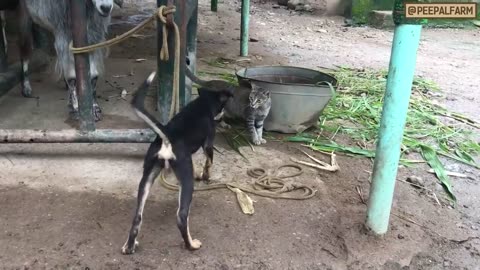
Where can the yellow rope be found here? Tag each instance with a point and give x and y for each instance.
(165, 57)
(265, 185)
(161, 13)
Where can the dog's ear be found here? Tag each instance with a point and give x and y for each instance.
(226, 94)
(224, 97)
(202, 91)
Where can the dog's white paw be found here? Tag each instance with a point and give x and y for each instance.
(129, 250)
(198, 175)
(196, 244)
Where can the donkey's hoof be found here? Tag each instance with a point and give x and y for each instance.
(74, 115)
(26, 90)
(97, 112)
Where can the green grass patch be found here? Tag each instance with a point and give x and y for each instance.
(355, 111)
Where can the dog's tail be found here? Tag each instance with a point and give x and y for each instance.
(137, 102)
(194, 78)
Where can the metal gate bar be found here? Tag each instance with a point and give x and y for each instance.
(77, 136)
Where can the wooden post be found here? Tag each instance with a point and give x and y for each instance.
(82, 65)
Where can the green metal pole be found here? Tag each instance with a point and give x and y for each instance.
(213, 5)
(397, 95)
(165, 72)
(244, 27)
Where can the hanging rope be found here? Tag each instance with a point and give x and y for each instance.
(161, 14)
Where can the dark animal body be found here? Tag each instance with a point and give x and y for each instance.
(250, 105)
(193, 127)
(8, 4)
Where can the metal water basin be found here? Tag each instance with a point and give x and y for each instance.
(299, 95)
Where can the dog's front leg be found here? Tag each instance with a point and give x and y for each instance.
(151, 170)
(183, 169)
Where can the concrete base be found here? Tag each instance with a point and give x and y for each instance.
(381, 19)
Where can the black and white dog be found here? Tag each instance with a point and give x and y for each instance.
(193, 127)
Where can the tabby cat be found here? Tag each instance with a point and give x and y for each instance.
(253, 106)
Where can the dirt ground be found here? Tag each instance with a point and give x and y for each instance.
(69, 206)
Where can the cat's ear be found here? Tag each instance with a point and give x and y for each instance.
(255, 87)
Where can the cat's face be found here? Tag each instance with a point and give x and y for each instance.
(258, 96)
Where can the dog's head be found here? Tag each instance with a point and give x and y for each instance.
(219, 97)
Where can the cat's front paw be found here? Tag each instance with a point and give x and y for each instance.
(257, 141)
(225, 125)
(263, 141)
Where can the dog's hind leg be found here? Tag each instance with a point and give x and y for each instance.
(151, 170)
(183, 169)
(208, 152)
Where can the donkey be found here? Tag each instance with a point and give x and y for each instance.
(54, 16)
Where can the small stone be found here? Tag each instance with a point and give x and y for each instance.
(299, 8)
(276, 6)
(446, 263)
(292, 4)
(322, 30)
(400, 236)
(307, 8)
(415, 180)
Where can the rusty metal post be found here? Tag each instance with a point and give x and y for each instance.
(82, 65)
(191, 45)
(3, 44)
(182, 21)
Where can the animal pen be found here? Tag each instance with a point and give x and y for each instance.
(171, 75)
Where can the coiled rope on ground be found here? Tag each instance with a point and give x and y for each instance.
(271, 185)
